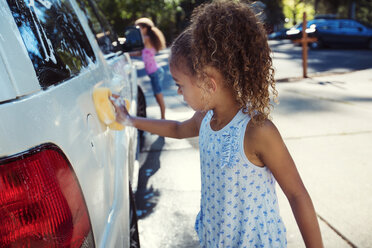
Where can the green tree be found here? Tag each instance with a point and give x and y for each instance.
(274, 14)
(123, 13)
(363, 11)
(293, 11)
(172, 16)
(358, 9)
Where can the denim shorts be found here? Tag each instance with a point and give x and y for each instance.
(157, 80)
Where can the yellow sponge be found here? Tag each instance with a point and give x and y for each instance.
(105, 109)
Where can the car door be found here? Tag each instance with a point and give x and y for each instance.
(362, 34)
(351, 33)
(327, 32)
(121, 79)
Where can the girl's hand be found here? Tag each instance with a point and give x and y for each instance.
(122, 115)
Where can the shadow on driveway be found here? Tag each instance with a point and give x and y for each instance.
(147, 198)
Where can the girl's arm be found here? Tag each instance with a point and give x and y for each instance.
(272, 152)
(166, 128)
(169, 128)
(135, 54)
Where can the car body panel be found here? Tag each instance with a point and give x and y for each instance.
(64, 115)
(278, 35)
(7, 90)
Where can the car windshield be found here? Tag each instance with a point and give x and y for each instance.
(299, 25)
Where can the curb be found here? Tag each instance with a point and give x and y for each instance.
(317, 74)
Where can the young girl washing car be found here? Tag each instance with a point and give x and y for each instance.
(223, 69)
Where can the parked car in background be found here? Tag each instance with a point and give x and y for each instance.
(64, 176)
(335, 33)
(295, 32)
(278, 35)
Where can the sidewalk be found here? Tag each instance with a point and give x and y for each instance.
(326, 122)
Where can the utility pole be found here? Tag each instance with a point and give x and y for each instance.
(304, 41)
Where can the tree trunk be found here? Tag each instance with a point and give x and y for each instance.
(316, 2)
(352, 6)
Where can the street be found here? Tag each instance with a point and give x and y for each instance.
(326, 123)
(288, 60)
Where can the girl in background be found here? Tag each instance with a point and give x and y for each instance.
(154, 41)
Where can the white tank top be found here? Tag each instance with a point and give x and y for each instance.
(238, 206)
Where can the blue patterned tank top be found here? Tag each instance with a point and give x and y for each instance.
(238, 206)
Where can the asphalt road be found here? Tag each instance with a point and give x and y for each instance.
(287, 60)
(326, 123)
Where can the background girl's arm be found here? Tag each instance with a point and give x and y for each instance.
(271, 150)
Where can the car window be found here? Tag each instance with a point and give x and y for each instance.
(348, 26)
(105, 36)
(311, 22)
(327, 25)
(345, 24)
(54, 39)
(308, 24)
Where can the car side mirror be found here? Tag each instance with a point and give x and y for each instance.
(360, 29)
(133, 40)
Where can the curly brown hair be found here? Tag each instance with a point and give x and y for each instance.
(180, 53)
(228, 36)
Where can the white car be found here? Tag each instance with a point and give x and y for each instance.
(64, 176)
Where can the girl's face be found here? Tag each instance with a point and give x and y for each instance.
(187, 85)
(143, 29)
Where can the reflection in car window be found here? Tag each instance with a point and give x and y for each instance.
(54, 38)
(99, 26)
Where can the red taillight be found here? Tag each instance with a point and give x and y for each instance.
(41, 203)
